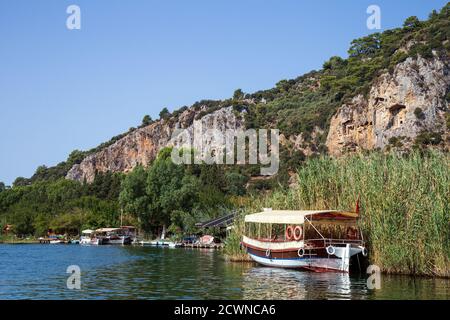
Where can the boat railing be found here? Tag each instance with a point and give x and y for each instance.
(329, 241)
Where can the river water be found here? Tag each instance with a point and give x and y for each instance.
(132, 272)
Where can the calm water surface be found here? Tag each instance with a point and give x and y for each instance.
(116, 272)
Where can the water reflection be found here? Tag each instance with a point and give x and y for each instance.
(274, 283)
(416, 288)
(115, 272)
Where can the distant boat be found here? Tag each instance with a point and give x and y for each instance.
(174, 245)
(118, 239)
(90, 237)
(86, 236)
(56, 239)
(114, 236)
(317, 240)
(206, 240)
(160, 243)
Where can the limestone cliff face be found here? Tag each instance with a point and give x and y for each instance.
(142, 145)
(389, 110)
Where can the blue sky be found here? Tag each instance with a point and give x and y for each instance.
(63, 89)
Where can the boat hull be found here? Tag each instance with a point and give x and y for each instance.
(56, 242)
(119, 240)
(96, 241)
(314, 264)
(314, 259)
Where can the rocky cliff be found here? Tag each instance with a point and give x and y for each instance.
(400, 105)
(141, 146)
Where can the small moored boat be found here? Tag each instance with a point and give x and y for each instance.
(56, 239)
(86, 236)
(114, 236)
(318, 240)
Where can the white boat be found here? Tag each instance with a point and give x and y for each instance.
(174, 245)
(309, 240)
(90, 237)
(56, 241)
(160, 243)
(85, 238)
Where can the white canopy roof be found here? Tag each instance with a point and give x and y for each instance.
(87, 231)
(107, 229)
(283, 216)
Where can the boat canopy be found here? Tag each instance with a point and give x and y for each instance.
(107, 229)
(87, 231)
(298, 216)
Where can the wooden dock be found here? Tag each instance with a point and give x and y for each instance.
(216, 246)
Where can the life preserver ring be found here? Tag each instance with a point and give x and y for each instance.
(301, 252)
(298, 232)
(289, 233)
(268, 253)
(331, 250)
(364, 251)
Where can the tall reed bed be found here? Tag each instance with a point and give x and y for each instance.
(404, 205)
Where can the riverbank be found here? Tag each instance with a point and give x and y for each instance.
(404, 206)
(13, 240)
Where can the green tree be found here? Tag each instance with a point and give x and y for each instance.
(133, 196)
(238, 94)
(21, 182)
(146, 120)
(366, 46)
(2, 186)
(170, 189)
(411, 22)
(22, 220)
(236, 183)
(75, 157)
(106, 185)
(41, 224)
(334, 63)
(164, 113)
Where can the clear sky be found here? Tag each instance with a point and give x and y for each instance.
(63, 89)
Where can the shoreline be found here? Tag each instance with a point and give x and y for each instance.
(245, 260)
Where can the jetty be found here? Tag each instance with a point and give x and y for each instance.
(217, 246)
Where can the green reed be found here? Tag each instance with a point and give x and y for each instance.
(404, 205)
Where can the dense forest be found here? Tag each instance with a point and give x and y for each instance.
(179, 196)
